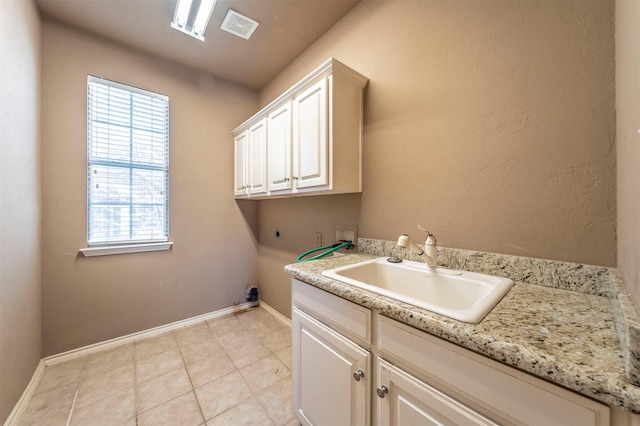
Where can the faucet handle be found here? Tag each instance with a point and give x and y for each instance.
(422, 228)
(429, 235)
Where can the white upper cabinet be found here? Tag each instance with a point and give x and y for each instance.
(257, 158)
(310, 147)
(250, 173)
(313, 137)
(240, 174)
(279, 148)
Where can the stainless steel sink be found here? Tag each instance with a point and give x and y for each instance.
(461, 295)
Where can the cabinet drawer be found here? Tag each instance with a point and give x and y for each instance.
(350, 319)
(510, 393)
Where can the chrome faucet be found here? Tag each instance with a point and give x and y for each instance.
(430, 252)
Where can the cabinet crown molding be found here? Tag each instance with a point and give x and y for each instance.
(330, 66)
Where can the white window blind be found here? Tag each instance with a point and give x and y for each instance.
(128, 164)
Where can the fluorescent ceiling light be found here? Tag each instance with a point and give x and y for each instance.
(182, 13)
(202, 18)
(187, 20)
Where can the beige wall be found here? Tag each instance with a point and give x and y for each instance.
(491, 123)
(19, 199)
(87, 300)
(627, 143)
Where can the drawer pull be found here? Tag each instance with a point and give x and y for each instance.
(358, 375)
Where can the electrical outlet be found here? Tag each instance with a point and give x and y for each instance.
(318, 239)
(346, 233)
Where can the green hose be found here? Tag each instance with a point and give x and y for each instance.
(331, 249)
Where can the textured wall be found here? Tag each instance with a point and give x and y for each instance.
(628, 143)
(491, 123)
(87, 300)
(19, 199)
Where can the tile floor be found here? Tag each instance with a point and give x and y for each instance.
(227, 371)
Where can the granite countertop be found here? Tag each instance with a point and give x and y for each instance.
(563, 336)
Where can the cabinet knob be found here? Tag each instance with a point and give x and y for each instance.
(295, 178)
(286, 179)
(358, 375)
(382, 391)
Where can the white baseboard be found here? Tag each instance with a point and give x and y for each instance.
(123, 340)
(21, 405)
(275, 313)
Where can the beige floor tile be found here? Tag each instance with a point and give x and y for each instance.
(52, 403)
(160, 389)
(181, 411)
(285, 355)
(277, 401)
(236, 337)
(113, 410)
(55, 420)
(149, 378)
(96, 387)
(293, 422)
(248, 413)
(193, 334)
(220, 395)
(254, 315)
(158, 364)
(61, 374)
(209, 369)
(278, 339)
(196, 351)
(101, 362)
(247, 352)
(265, 373)
(155, 345)
(225, 325)
(265, 326)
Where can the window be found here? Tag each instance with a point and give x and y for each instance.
(128, 164)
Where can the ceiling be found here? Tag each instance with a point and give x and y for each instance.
(287, 28)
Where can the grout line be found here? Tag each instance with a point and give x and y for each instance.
(135, 380)
(276, 315)
(184, 364)
(73, 405)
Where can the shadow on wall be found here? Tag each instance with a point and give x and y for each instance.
(249, 210)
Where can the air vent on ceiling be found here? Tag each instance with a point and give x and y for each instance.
(238, 24)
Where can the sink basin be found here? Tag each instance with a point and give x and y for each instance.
(461, 295)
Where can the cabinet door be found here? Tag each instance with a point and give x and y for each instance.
(310, 143)
(258, 158)
(240, 164)
(331, 375)
(405, 400)
(279, 149)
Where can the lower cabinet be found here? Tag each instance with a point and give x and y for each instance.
(332, 375)
(352, 366)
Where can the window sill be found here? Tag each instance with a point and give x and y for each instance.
(131, 248)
